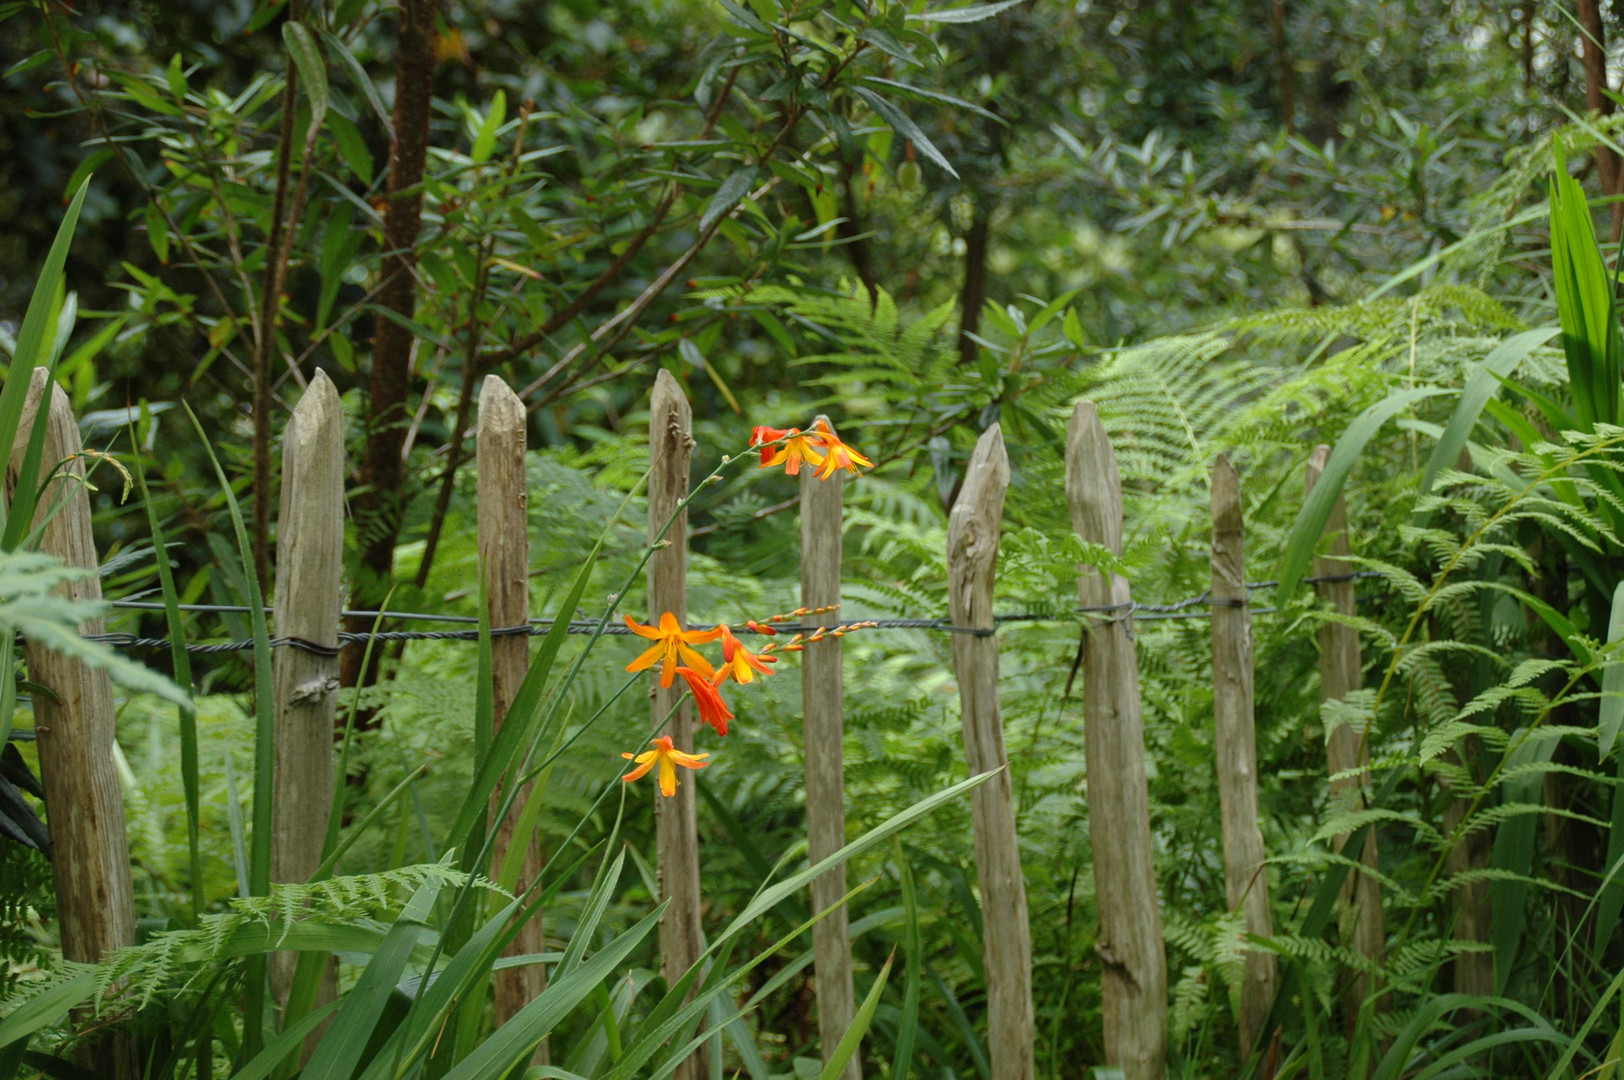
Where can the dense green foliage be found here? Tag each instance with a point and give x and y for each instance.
(1243, 228)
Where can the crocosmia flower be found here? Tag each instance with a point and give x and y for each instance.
(838, 455)
(667, 757)
(671, 643)
(738, 662)
(712, 709)
(795, 449)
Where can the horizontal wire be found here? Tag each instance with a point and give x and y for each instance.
(1183, 609)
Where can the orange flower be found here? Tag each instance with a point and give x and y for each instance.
(712, 709)
(671, 641)
(839, 456)
(740, 663)
(667, 757)
(795, 449)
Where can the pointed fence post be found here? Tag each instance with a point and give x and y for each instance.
(309, 572)
(1132, 953)
(1246, 879)
(74, 725)
(671, 444)
(307, 600)
(822, 705)
(973, 531)
(1341, 673)
(504, 562)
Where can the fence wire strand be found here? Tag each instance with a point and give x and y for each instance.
(1195, 607)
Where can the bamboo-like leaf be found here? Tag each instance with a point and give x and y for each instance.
(1610, 898)
(182, 661)
(727, 196)
(972, 13)
(361, 80)
(46, 1008)
(16, 512)
(1310, 524)
(340, 1049)
(1480, 386)
(1585, 304)
(259, 853)
(513, 1041)
(485, 140)
(312, 68)
(1612, 681)
(859, 1025)
(1514, 844)
(899, 122)
(913, 945)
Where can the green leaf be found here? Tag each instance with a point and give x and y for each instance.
(1612, 681)
(898, 121)
(1311, 519)
(859, 1025)
(1585, 305)
(46, 1007)
(176, 75)
(513, 1041)
(973, 13)
(266, 1061)
(312, 67)
(360, 80)
(16, 513)
(340, 1049)
(485, 141)
(727, 196)
(353, 148)
(1514, 845)
(1610, 900)
(1480, 386)
(913, 946)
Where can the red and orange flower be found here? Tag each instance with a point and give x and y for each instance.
(712, 709)
(837, 454)
(790, 453)
(738, 662)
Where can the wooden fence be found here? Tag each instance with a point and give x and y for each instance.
(75, 723)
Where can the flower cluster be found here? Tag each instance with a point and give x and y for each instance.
(673, 650)
(673, 645)
(820, 447)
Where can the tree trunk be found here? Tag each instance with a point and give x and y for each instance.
(382, 499)
(1593, 40)
(974, 293)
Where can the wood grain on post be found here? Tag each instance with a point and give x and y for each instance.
(822, 698)
(1341, 673)
(504, 561)
(1131, 950)
(973, 531)
(1246, 879)
(309, 576)
(74, 725)
(671, 444)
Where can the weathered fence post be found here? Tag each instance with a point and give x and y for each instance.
(504, 561)
(671, 443)
(973, 531)
(1341, 673)
(1246, 879)
(309, 573)
(1132, 953)
(74, 726)
(822, 697)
